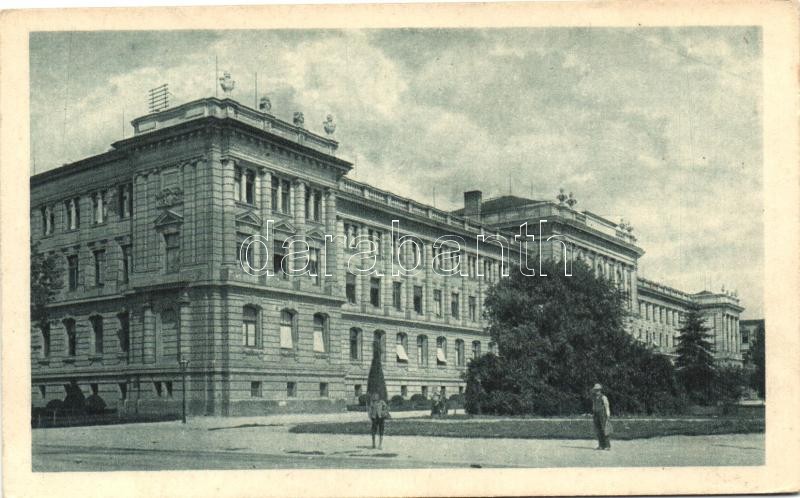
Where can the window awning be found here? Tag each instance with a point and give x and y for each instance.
(401, 353)
(440, 356)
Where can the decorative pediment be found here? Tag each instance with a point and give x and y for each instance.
(285, 226)
(168, 217)
(249, 218)
(316, 234)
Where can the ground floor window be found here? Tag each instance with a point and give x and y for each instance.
(323, 389)
(255, 389)
(291, 389)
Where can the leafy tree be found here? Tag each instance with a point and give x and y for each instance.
(375, 380)
(755, 358)
(558, 335)
(695, 362)
(46, 281)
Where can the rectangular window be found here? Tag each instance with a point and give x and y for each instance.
(460, 358)
(286, 188)
(255, 389)
(313, 265)
(157, 387)
(99, 267)
(125, 201)
(404, 391)
(397, 293)
(237, 184)
(72, 337)
(97, 330)
(275, 192)
(123, 391)
(291, 389)
(72, 265)
(441, 351)
(357, 390)
(424, 391)
(172, 252)
(249, 326)
(126, 263)
(99, 208)
(287, 330)
(375, 291)
(355, 344)
(320, 335)
(418, 299)
(476, 349)
(422, 350)
(323, 389)
(278, 253)
(168, 385)
(437, 302)
(455, 310)
(250, 188)
(401, 348)
(350, 288)
(46, 341)
(123, 334)
(473, 308)
(95, 388)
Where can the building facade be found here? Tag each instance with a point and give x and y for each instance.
(150, 235)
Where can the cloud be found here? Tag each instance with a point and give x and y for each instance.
(660, 126)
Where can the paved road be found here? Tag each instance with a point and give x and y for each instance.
(265, 443)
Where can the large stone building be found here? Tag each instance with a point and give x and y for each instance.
(150, 236)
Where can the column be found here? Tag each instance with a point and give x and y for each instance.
(184, 326)
(427, 290)
(228, 235)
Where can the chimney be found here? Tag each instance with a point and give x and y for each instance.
(472, 204)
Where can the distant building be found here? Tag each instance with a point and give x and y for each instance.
(749, 332)
(150, 236)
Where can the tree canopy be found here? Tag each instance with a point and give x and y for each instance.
(45, 283)
(557, 336)
(695, 361)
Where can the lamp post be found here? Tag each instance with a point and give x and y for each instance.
(184, 364)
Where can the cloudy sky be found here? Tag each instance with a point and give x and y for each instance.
(659, 126)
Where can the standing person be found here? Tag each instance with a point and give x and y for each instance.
(601, 414)
(378, 413)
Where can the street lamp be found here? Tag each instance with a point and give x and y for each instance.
(184, 364)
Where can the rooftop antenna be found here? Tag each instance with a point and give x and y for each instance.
(158, 98)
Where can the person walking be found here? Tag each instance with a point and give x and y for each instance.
(378, 413)
(601, 414)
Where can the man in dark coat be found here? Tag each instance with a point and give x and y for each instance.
(601, 414)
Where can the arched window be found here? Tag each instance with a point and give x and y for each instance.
(402, 348)
(379, 342)
(250, 329)
(422, 350)
(72, 337)
(492, 347)
(97, 332)
(45, 331)
(321, 340)
(460, 357)
(355, 344)
(441, 351)
(288, 330)
(476, 349)
(123, 334)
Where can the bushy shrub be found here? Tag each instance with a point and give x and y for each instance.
(456, 401)
(397, 401)
(54, 405)
(95, 404)
(362, 399)
(75, 400)
(419, 402)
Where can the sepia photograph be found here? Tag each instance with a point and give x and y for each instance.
(398, 247)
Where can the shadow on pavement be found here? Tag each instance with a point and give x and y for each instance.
(245, 426)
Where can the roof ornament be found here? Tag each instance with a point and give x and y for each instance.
(561, 196)
(329, 125)
(298, 119)
(264, 104)
(226, 83)
(571, 201)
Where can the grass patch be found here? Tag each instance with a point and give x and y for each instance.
(540, 428)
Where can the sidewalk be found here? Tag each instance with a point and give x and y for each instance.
(269, 436)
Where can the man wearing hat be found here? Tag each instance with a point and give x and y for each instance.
(601, 413)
